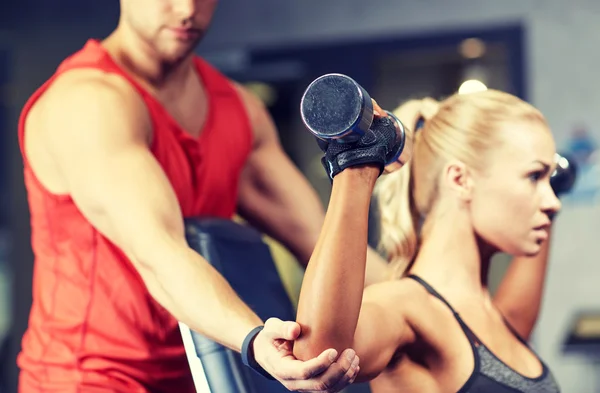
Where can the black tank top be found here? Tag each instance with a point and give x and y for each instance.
(490, 374)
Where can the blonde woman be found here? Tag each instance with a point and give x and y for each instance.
(478, 183)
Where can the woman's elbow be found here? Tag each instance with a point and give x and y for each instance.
(305, 350)
(311, 345)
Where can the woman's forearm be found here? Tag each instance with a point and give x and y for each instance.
(332, 288)
(519, 296)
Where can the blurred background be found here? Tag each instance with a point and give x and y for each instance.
(544, 51)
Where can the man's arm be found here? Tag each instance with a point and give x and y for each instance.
(277, 198)
(99, 137)
(274, 195)
(96, 129)
(519, 296)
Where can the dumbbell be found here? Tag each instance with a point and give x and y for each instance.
(335, 107)
(563, 178)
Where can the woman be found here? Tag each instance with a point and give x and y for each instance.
(478, 184)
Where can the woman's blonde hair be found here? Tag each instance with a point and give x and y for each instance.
(464, 128)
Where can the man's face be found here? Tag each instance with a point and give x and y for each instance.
(172, 28)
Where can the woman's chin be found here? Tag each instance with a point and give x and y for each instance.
(532, 249)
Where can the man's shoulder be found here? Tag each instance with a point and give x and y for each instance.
(92, 81)
(89, 101)
(87, 87)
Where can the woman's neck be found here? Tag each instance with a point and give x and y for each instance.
(451, 256)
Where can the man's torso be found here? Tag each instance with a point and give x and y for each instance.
(92, 321)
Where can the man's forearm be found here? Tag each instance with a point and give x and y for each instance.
(197, 295)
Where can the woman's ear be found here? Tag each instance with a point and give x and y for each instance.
(459, 180)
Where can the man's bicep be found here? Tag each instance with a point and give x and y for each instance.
(128, 199)
(103, 156)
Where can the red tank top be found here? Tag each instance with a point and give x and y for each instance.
(93, 324)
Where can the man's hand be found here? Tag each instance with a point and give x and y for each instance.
(326, 373)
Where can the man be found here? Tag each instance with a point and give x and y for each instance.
(128, 136)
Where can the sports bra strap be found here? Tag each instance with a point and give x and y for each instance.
(432, 291)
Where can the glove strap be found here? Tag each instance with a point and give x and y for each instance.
(349, 159)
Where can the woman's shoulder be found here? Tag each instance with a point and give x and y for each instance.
(404, 294)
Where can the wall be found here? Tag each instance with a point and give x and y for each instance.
(558, 36)
(562, 82)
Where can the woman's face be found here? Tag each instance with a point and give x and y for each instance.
(512, 199)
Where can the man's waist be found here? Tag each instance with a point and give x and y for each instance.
(87, 365)
(113, 376)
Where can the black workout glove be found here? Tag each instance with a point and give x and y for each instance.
(378, 146)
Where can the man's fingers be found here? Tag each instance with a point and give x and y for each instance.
(325, 361)
(340, 383)
(318, 365)
(283, 345)
(291, 369)
(355, 375)
(276, 329)
(325, 378)
(290, 331)
(326, 373)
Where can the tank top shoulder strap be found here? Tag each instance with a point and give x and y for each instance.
(469, 333)
(514, 331)
(215, 82)
(433, 292)
(94, 55)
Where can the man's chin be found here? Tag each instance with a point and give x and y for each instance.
(178, 52)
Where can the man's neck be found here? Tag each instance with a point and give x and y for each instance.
(142, 62)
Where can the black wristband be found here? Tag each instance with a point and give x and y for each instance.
(248, 353)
